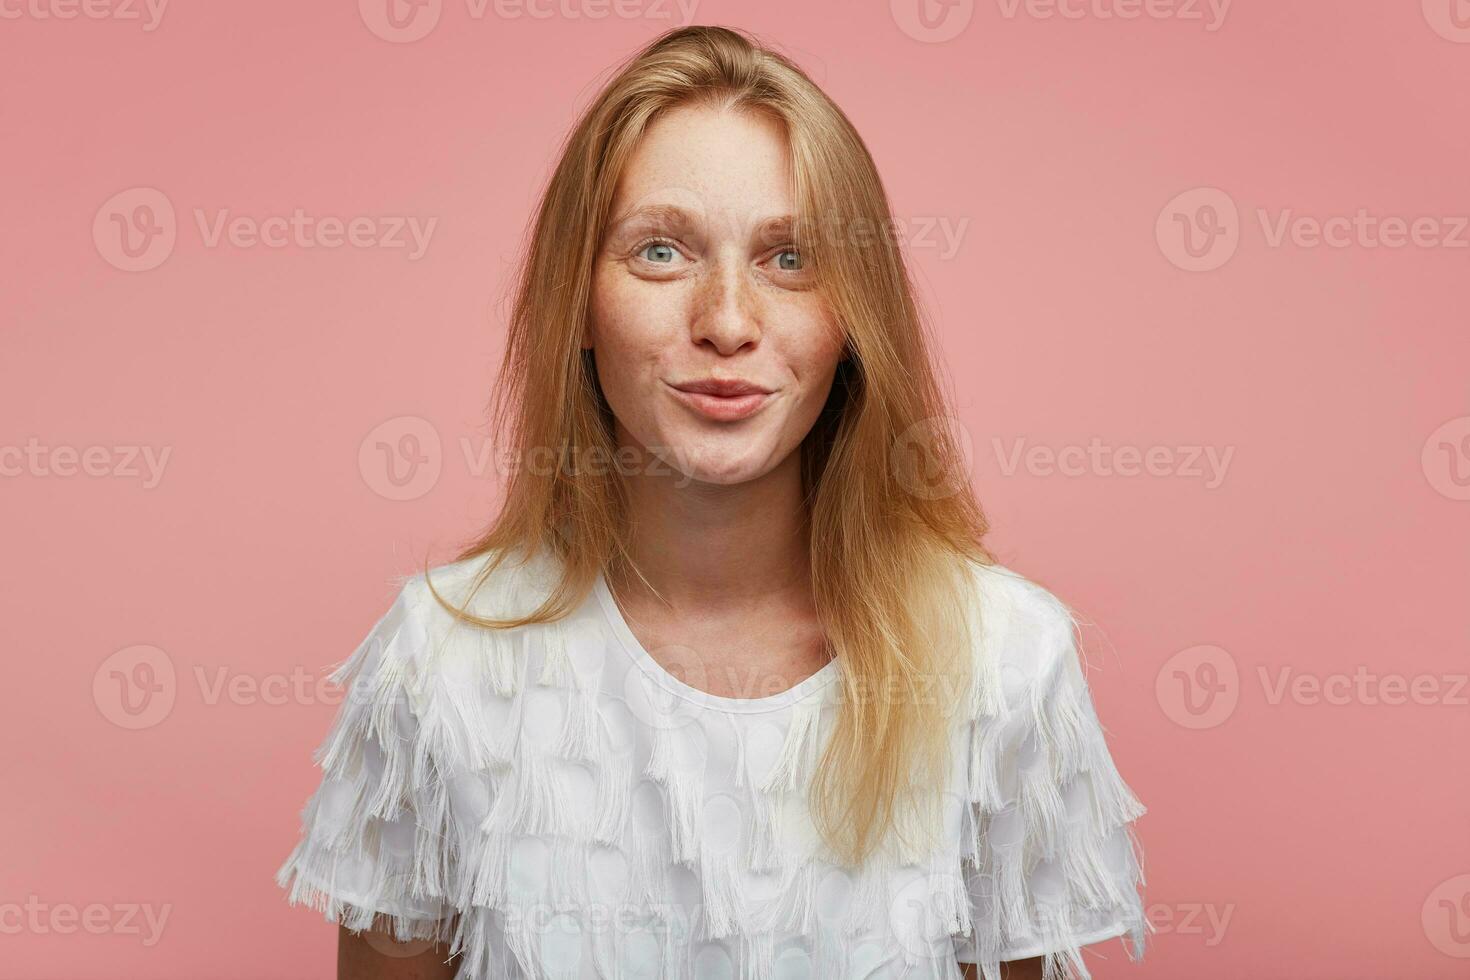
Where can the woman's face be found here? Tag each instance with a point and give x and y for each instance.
(712, 348)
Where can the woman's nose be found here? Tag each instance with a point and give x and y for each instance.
(725, 313)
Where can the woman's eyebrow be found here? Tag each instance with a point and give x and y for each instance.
(656, 214)
(775, 230)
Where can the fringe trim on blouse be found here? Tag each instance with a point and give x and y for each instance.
(1047, 859)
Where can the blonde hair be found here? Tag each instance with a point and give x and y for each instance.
(888, 550)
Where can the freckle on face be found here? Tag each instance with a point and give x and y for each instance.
(713, 299)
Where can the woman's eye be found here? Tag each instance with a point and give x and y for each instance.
(660, 253)
(789, 260)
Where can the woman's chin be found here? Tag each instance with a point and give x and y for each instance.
(723, 477)
(718, 466)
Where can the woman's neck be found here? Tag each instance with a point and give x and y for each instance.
(703, 544)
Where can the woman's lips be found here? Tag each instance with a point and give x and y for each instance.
(722, 401)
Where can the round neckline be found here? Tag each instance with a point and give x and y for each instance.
(630, 645)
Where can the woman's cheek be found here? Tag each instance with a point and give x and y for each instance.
(815, 357)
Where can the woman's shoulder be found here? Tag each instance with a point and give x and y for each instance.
(427, 639)
(423, 627)
(489, 585)
(1021, 629)
(1013, 605)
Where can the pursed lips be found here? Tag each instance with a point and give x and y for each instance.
(722, 399)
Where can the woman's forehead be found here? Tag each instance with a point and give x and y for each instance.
(699, 162)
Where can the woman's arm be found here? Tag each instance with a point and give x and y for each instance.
(381, 957)
(1014, 970)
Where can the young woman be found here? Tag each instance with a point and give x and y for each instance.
(730, 686)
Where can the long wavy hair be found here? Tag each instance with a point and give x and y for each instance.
(892, 522)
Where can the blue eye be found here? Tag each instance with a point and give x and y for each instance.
(789, 260)
(662, 253)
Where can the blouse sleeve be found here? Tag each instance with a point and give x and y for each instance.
(367, 855)
(1053, 863)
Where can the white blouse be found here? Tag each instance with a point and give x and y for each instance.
(555, 804)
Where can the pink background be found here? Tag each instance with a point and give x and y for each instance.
(1330, 839)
